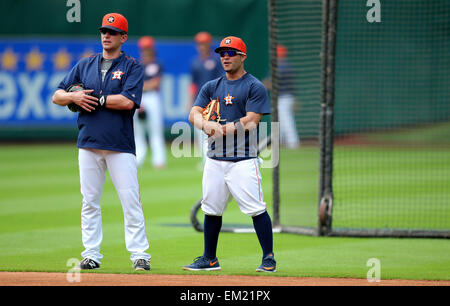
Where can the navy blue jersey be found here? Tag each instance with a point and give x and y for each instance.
(105, 128)
(204, 70)
(286, 78)
(236, 98)
(152, 70)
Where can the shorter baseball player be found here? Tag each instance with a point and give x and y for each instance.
(228, 109)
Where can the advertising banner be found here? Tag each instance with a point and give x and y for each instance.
(31, 70)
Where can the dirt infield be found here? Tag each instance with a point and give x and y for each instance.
(96, 279)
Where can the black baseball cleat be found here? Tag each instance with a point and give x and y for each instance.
(141, 265)
(89, 264)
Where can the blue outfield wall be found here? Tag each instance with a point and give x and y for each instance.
(31, 70)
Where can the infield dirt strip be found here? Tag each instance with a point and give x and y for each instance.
(96, 279)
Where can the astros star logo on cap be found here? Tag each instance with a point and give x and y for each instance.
(232, 42)
(116, 22)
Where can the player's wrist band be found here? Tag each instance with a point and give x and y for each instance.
(102, 100)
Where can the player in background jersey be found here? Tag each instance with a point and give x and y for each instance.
(149, 119)
(286, 99)
(231, 168)
(205, 67)
(106, 140)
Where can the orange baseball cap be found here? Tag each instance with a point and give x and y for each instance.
(146, 42)
(232, 42)
(116, 22)
(203, 38)
(281, 51)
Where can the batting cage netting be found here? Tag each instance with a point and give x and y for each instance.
(361, 92)
(366, 151)
(296, 42)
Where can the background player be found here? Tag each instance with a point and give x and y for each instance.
(231, 169)
(205, 67)
(286, 99)
(149, 119)
(106, 140)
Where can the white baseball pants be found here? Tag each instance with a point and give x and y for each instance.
(288, 129)
(122, 169)
(240, 180)
(153, 127)
(202, 142)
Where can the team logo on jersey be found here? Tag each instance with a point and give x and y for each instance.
(228, 100)
(111, 19)
(117, 74)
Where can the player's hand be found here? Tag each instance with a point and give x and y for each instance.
(213, 129)
(84, 100)
(229, 128)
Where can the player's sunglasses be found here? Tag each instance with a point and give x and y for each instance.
(230, 53)
(111, 32)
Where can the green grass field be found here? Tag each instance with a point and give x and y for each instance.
(390, 188)
(40, 225)
(400, 181)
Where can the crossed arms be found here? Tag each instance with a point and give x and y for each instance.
(216, 130)
(88, 102)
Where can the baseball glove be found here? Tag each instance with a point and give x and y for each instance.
(75, 87)
(212, 111)
(142, 113)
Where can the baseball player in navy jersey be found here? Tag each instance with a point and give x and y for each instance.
(231, 169)
(113, 83)
(149, 119)
(205, 67)
(286, 99)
